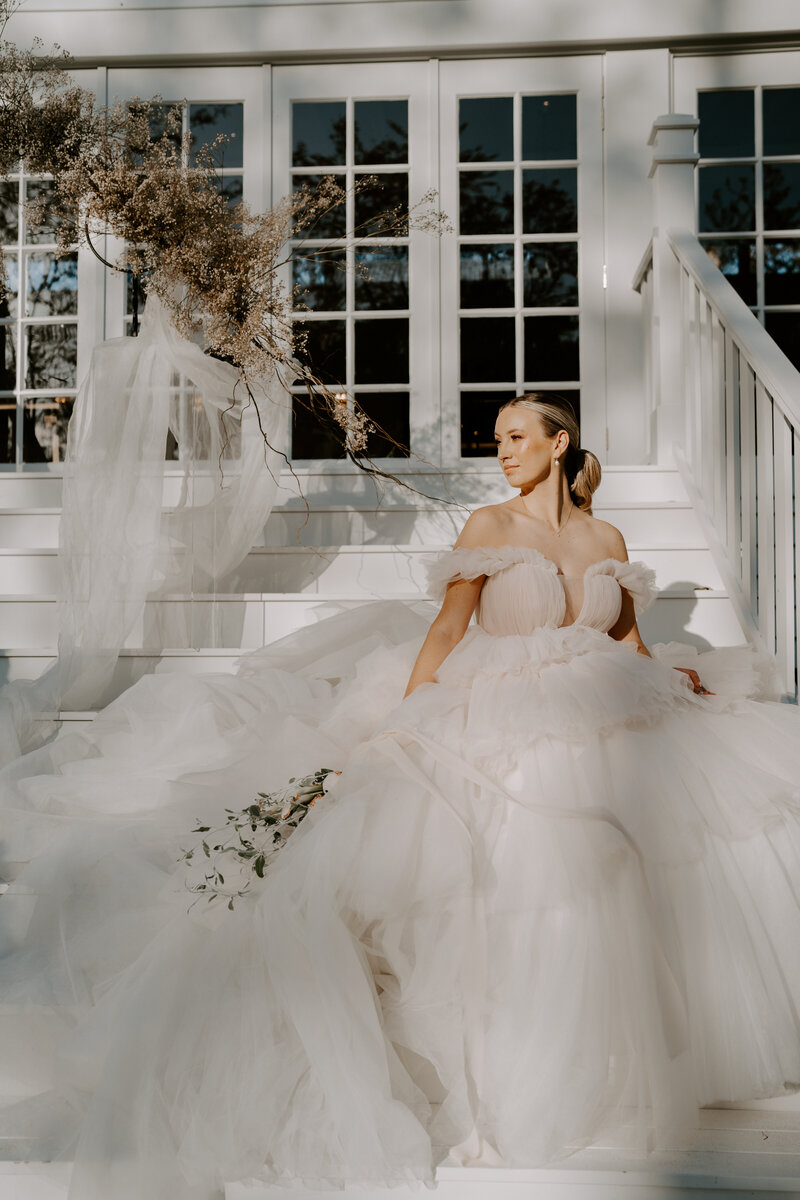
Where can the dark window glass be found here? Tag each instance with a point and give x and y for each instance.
(781, 195)
(487, 349)
(486, 202)
(10, 297)
(319, 281)
(319, 131)
(230, 187)
(44, 429)
(736, 259)
(784, 328)
(381, 277)
(550, 274)
(8, 358)
(487, 276)
(781, 272)
(52, 285)
(44, 227)
(52, 356)
(551, 348)
(373, 206)
(9, 213)
(142, 298)
(206, 122)
(727, 124)
(781, 109)
(486, 129)
(727, 198)
(549, 127)
(324, 350)
(314, 436)
(382, 351)
(331, 223)
(381, 131)
(478, 415)
(389, 411)
(8, 429)
(550, 200)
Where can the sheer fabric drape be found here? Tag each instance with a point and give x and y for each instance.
(136, 527)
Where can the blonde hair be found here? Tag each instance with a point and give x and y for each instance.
(581, 467)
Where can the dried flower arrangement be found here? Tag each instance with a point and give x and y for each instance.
(216, 268)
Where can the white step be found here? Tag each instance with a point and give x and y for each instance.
(482, 485)
(244, 622)
(332, 570)
(730, 1156)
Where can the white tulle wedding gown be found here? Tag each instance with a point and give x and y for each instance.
(553, 896)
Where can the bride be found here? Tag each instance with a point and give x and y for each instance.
(552, 897)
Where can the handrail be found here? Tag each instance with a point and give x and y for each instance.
(768, 361)
(737, 398)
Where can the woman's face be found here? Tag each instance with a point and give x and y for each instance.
(524, 452)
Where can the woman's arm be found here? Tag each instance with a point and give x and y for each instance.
(447, 630)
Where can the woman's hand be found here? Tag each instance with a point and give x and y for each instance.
(694, 678)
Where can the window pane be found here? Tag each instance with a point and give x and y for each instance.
(319, 281)
(319, 133)
(52, 356)
(52, 285)
(389, 410)
(142, 293)
(785, 329)
(727, 124)
(726, 198)
(44, 429)
(231, 188)
(487, 276)
(551, 348)
(381, 131)
(207, 121)
(8, 430)
(781, 107)
(372, 206)
(324, 350)
(329, 224)
(382, 351)
(486, 129)
(549, 127)
(9, 302)
(9, 212)
(8, 358)
(478, 415)
(550, 276)
(781, 272)
(487, 349)
(381, 277)
(44, 229)
(736, 259)
(781, 196)
(486, 202)
(311, 437)
(550, 201)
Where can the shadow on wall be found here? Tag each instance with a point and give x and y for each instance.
(669, 618)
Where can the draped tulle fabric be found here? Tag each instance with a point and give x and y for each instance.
(550, 900)
(123, 537)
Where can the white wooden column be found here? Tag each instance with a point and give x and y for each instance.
(672, 172)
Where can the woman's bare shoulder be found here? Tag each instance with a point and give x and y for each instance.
(485, 526)
(608, 538)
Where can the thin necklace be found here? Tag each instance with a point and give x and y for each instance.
(555, 532)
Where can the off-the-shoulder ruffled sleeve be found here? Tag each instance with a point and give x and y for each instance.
(635, 577)
(465, 562)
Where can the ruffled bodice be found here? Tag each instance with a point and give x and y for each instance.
(524, 590)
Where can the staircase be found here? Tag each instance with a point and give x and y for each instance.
(350, 556)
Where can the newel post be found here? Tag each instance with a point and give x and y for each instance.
(672, 172)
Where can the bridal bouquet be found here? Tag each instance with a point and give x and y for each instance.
(251, 837)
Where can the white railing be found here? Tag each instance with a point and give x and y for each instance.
(738, 438)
